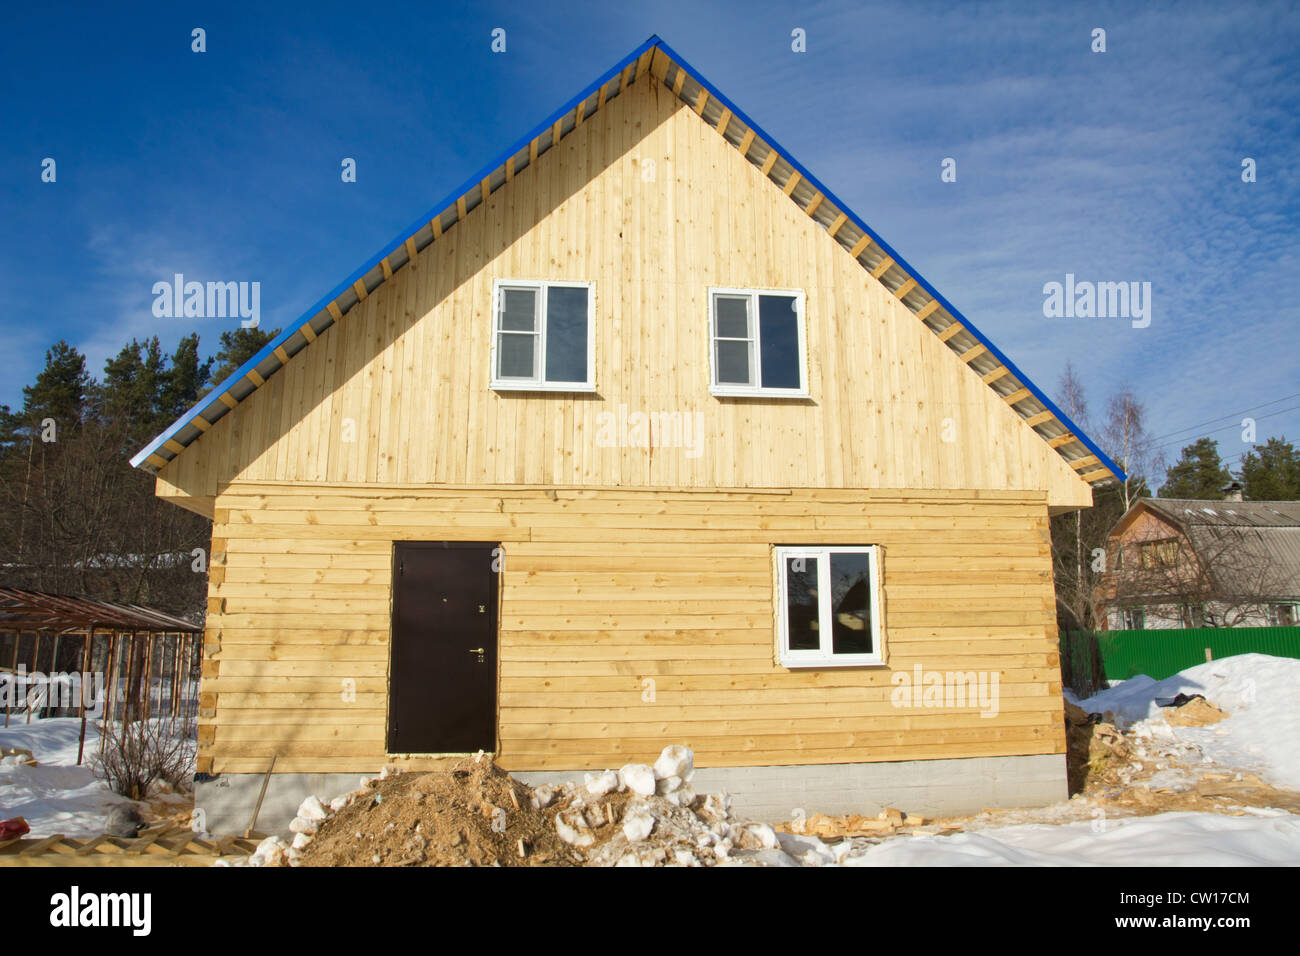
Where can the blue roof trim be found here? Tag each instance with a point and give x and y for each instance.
(438, 208)
(979, 336)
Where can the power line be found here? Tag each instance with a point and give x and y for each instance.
(1190, 428)
(1280, 411)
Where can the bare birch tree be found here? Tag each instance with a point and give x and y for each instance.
(1126, 440)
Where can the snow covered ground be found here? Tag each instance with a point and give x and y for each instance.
(1261, 695)
(56, 796)
(1262, 838)
(1261, 735)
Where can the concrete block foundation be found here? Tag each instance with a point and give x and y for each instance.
(927, 787)
(227, 800)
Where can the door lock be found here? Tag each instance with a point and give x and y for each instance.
(482, 609)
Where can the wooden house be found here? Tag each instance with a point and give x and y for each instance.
(1176, 563)
(639, 437)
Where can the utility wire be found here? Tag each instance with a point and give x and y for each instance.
(1280, 411)
(1192, 428)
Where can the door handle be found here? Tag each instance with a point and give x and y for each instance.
(476, 650)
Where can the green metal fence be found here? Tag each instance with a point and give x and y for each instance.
(1163, 653)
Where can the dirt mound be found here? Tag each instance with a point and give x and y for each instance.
(478, 815)
(474, 815)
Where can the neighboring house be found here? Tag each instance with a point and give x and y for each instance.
(638, 438)
(1181, 563)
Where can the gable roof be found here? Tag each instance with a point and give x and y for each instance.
(874, 255)
(1264, 536)
(1228, 514)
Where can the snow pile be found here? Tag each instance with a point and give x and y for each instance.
(663, 821)
(276, 851)
(1260, 693)
(273, 851)
(56, 796)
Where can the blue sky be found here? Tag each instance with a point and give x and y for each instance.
(1115, 166)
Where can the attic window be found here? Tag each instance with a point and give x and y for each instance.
(1162, 553)
(757, 343)
(828, 612)
(543, 336)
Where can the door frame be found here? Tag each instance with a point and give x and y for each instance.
(498, 593)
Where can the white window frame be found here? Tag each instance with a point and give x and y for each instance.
(1274, 618)
(756, 345)
(1129, 617)
(824, 656)
(537, 381)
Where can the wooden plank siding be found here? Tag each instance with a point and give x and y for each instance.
(606, 589)
(625, 564)
(650, 204)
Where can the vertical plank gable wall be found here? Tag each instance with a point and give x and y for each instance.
(606, 586)
(669, 211)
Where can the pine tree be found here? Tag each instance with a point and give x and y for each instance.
(185, 379)
(75, 517)
(237, 347)
(128, 395)
(1271, 472)
(1198, 473)
(10, 433)
(60, 390)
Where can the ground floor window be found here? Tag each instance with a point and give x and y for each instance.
(828, 611)
(1133, 619)
(1284, 615)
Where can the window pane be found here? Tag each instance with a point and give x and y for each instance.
(566, 334)
(801, 604)
(515, 355)
(850, 603)
(733, 362)
(518, 310)
(732, 316)
(778, 323)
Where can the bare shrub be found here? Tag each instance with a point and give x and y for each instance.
(138, 753)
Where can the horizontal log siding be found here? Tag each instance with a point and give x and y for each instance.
(604, 590)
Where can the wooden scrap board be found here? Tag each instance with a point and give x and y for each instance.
(169, 845)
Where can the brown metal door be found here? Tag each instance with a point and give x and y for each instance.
(442, 686)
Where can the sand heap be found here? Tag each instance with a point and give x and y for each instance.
(478, 815)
